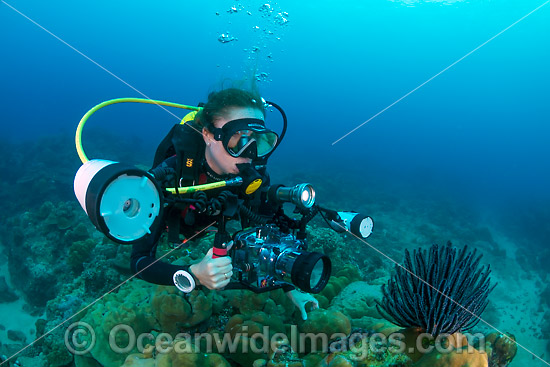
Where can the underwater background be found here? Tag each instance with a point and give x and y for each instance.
(463, 158)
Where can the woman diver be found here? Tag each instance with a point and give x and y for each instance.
(217, 143)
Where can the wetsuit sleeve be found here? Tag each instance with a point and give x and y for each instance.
(165, 172)
(288, 288)
(144, 264)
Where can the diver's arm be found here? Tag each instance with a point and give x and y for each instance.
(156, 272)
(143, 262)
(145, 265)
(288, 287)
(164, 173)
(212, 273)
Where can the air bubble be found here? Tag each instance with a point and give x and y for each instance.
(226, 38)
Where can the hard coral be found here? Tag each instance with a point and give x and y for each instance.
(128, 306)
(174, 311)
(440, 291)
(325, 325)
(502, 349)
(77, 233)
(456, 358)
(365, 352)
(61, 217)
(281, 356)
(358, 299)
(337, 283)
(79, 252)
(175, 359)
(333, 245)
(273, 302)
(253, 333)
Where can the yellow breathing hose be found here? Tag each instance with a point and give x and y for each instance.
(192, 189)
(179, 190)
(78, 138)
(250, 187)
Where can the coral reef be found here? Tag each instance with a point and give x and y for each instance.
(130, 306)
(347, 305)
(61, 264)
(16, 336)
(32, 172)
(456, 358)
(358, 301)
(57, 355)
(451, 350)
(366, 353)
(79, 253)
(545, 296)
(175, 312)
(252, 333)
(331, 244)
(501, 349)
(60, 217)
(344, 251)
(281, 356)
(330, 324)
(336, 283)
(42, 244)
(175, 359)
(148, 308)
(439, 291)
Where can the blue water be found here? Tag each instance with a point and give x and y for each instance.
(476, 136)
(479, 132)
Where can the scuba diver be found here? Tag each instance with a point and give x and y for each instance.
(232, 134)
(209, 169)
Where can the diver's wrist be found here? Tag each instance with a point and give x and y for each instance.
(191, 270)
(184, 280)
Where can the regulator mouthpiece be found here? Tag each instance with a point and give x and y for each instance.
(358, 224)
(122, 201)
(251, 180)
(302, 195)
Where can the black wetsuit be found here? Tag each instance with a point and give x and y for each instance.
(143, 259)
(143, 252)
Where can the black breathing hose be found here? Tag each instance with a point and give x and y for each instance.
(252, 217)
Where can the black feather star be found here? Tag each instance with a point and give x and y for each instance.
(441, 290)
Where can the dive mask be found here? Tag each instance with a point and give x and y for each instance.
(247, 138)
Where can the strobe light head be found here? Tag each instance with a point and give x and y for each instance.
(358, 224)
(302, 195)
(122, 201)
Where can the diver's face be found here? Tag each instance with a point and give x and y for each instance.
(217, 157)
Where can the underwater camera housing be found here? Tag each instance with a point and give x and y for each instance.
(264, 258)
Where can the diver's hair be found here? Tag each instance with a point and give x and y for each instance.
(220, 102)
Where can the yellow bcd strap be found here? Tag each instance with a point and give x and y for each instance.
(189, 117)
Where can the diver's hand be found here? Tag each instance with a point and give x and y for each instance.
(213, 273)
(300, 299)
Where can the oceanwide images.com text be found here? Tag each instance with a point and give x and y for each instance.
(80, 339)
